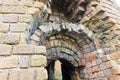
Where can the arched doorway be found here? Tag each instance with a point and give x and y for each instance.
(66, 40)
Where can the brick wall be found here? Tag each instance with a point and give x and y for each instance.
(18, 60)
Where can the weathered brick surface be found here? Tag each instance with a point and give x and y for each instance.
(115, 55)
(11, 38)
(19, 27)
(5, 49)
(24, 61)
(31, 74)
(10, 2)
(9, 62)
(23, 38)
(26, 3)
(25, 18)
(116, 70)
(111, 63)
(115, 77)
(38, 60)
(38, 5)
(3, 75)
(14, 75)
(23, 49)
(40, 49)
(1, 16)
(27, 74)
(32, 10)
(4, 27)
(14, 9)
(10, 17)
(106, 58)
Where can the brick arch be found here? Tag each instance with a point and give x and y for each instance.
(69, 36)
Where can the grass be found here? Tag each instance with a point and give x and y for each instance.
(58, 78)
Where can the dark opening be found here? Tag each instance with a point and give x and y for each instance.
(68, 71)
(69, 10)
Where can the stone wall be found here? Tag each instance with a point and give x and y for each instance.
(18, 60)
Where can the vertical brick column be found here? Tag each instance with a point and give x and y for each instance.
(18, 60)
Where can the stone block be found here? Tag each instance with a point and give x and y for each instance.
(89, 71)
(95, 69)
(103, 66)
(10, 18)
(8, 62)
(19, 27)
(11, 38)
(39, 5)
(1, 17)
(24, 49)
(114, 77)
(99, 61)
(101, 74)
(1, 2)
(40, 50)
(42, 74)
(22, 38)
(115, 55)
(1, 8)
(14, 9)
(24, 61)
(111, 63)
(35, 38)
(14, 75)
(37, 32)
(28, 3)
(107, 72)
(33, 74)
(11, 2)
(106, 58)
(38, 61)
(5, 49)
(90, 57)
(27, 74)
(116, 26)
(34, 42)
(3, 76)
(116, 70)
(25, 18)
(32, 10)
(1, 37)
(93, 63)
(4, 27)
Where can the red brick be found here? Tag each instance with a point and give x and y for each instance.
(116, 70)
(95, 69)
(115, 55)
(90, 57)
(115, 77)
(111, 63)
(83, 62)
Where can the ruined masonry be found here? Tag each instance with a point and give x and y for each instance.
(84, 35)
